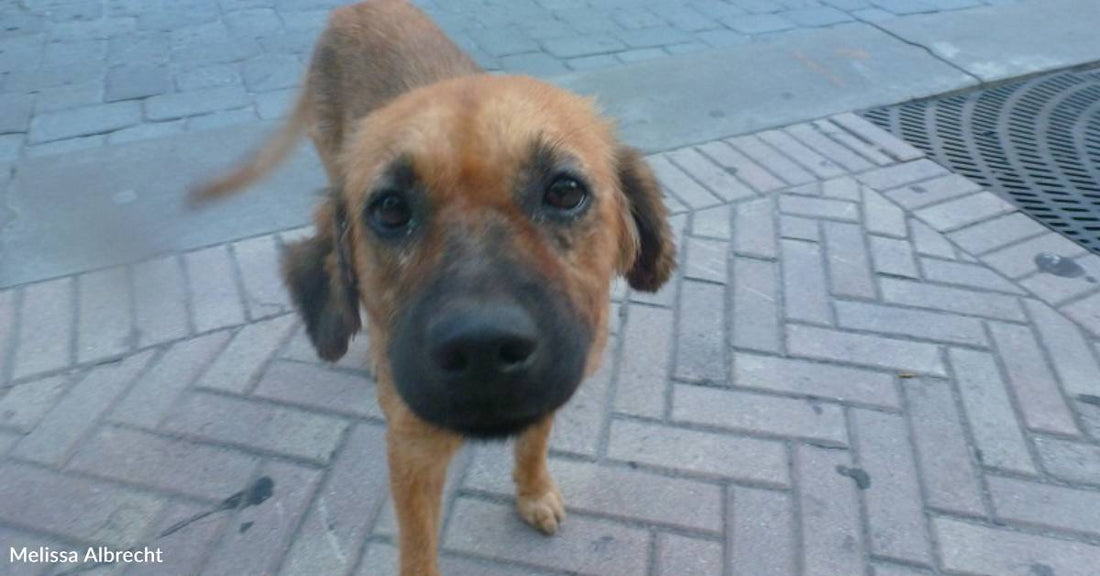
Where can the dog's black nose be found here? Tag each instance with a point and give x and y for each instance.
(482, 345)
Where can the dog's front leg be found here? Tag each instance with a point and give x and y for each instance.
(537, 496)
(418, 456)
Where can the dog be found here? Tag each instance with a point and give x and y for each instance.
(479, 221)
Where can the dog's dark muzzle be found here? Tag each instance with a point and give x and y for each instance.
(488, 362)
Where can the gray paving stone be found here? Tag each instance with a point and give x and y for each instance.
(139, 49)
(253, 22)
(798, 228)
(273, 105)
(682, 556)
(948, 299)
(706, 260)
(898, 175)
(771, 159)
(955, 214)
(818, 208)
(103, 324)
(932, 191)
(193, 103)
(741, 166)
(7, 330)
(152, 398)
(979, 549)
(333, 532)
(722, 38)
(968, 275)
(831, 538)
(45, 328)
(756, 311)
(1044, 505)
(894, 257)
(1087, 312)
(45, 78)
(271, 72)
(754, 228)
(944, 458)
(10, 146)
(757, 413)
(74, 52)
(762, 534)
(84, 121)
(758, 23)
(149, 460)
(588, 546)
(574, 46)
(1075, 365)
(261, 547)
(65, 146)
(929, 242)
(258, 261)
(215, 300)
(653, 37)
(804, 284)
(577, 426)
(1037, 392)
(895, 510)
(219, 120)
(814, 380)
(237, 367)
(188, 547)
(716, 178)
(701, 340)
(821, 16)
(820, 165)
(868, 132)
(1020, 259)
(681, 184)
(849, 264)
(993, 234)
(595, 62)
(909, 322)
(213, 76)
(24, 404)
(1069, 460)
(712, 223)
(160, 301)
(695, 452)
(254, 426)
(130, 82)
(643, 375)
(618, 492)
(878, 351)
(145, 132)
(73, 417)
(989, 411)
(850, 141)
(905, 6)
(15, 112)
(882, 216)
(75, 508)
(314, 386)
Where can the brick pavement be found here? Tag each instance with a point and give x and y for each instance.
(858, 369)
(78, 74)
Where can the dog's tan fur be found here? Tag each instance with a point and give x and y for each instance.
(385, 81)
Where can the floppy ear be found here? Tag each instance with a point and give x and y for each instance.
(655, 256)
(319, 275)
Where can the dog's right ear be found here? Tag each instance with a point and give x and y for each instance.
(320, 277)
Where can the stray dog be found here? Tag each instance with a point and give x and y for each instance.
(479, 220)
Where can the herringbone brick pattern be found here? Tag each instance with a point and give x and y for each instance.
(860, 369)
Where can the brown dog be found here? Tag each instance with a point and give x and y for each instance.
(479, 220)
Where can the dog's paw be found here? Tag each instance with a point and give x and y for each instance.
(544, 512)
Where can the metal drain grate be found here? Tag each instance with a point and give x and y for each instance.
(1035, 142)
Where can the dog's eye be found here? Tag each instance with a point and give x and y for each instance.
(390, 212)
(565, 194)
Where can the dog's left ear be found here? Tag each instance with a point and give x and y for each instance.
(654, 253)
(319, 274)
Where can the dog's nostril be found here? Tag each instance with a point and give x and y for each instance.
(515, 352)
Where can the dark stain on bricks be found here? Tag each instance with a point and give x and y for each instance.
(254, 494)
(244, 527)
(862, 478)
(601, 544)
(1038, 569)
(1060, 266)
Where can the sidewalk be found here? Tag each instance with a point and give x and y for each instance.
(858, 364)
(858, 370)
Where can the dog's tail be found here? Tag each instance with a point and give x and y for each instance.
(264, 160)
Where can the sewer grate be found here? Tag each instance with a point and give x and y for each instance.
(1035, 143)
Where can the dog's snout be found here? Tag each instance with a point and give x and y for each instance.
(484, 344)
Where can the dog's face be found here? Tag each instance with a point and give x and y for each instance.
(485, 218)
